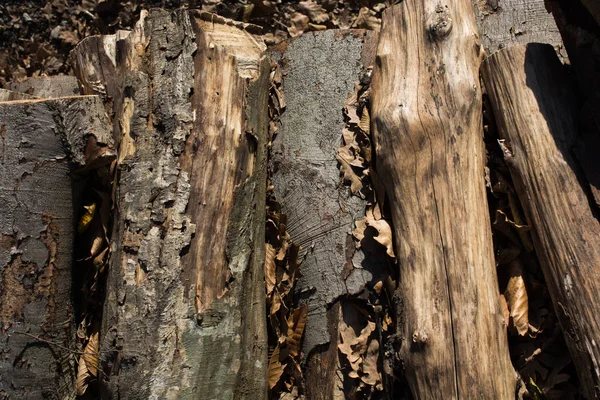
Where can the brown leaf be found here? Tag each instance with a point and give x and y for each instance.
(275, 368)
(90, 355)
(365, 121)
(296, 325)
(516, 298)
(316, 13)
(270, 268)
(299, 23)
(367, 20)
(370, 372)
(83, 377)
(352, 346)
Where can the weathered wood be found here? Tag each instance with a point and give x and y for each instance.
(42, 141)
(48, 87)
(503, 23)
(426, 120)
(535, 112)
(9, 95)
(185, 311)
(321, 211)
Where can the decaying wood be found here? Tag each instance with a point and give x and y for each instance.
(535, 112)
(426, 120)
(48, 87)
(505, 23)
(42, 142)
(321, 211)
(185, 311)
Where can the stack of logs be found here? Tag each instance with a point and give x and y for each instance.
(165, 139)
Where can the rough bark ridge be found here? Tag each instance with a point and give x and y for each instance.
(536, 114)
(426, 120)
(42, 142)
(185, 315)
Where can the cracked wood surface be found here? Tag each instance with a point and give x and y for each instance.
(536, 114)
(185, 310)
(426, 119)
(42, 142)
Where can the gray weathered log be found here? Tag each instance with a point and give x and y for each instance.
(9, 95)
(48, 87)
(504, 23)
(42, 141)
(535, 110)
(426, 121)
(321, 211)
(185, 311)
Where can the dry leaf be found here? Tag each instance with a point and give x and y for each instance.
(370, 373)
(299, 23)
(316, 13)
(87, 217)
(516, 298)
(270, 268)
(367, 20)
(275, 368)
(90, 354)
(296, 325)
(83, 377)
(365, 121)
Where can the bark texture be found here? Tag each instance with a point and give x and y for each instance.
(43, 141)
(504, 23)
(321, 211)
(426, 120)
(48, 87)
(185, 311)
(535, 113)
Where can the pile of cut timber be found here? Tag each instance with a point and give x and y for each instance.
(136, 198)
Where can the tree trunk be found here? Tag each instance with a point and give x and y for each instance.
(536, 115)
(321, 212)
(43, 143)
(426, 110)
(48, 87)
(185, 311)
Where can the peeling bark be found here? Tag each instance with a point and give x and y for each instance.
(185, 310)
(426, 119)
(535, 110)
(43, 141)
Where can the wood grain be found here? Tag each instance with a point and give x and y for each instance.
(535, 111)
(426, 119)
(185, 312)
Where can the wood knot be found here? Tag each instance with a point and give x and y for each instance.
(419, 340)
(440, 23)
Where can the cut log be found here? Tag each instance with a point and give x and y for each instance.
(535, 112)
(504, 23)
(321, 211)
(48, 87)
(185, 311)
(426, 120)
(42, 141)
(9, 95)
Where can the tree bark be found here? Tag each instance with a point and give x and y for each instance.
(48, 87)
(504, 23)
(43, 142)
(185, 311)
(321, 211)
(426, 120)
(535, 112)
